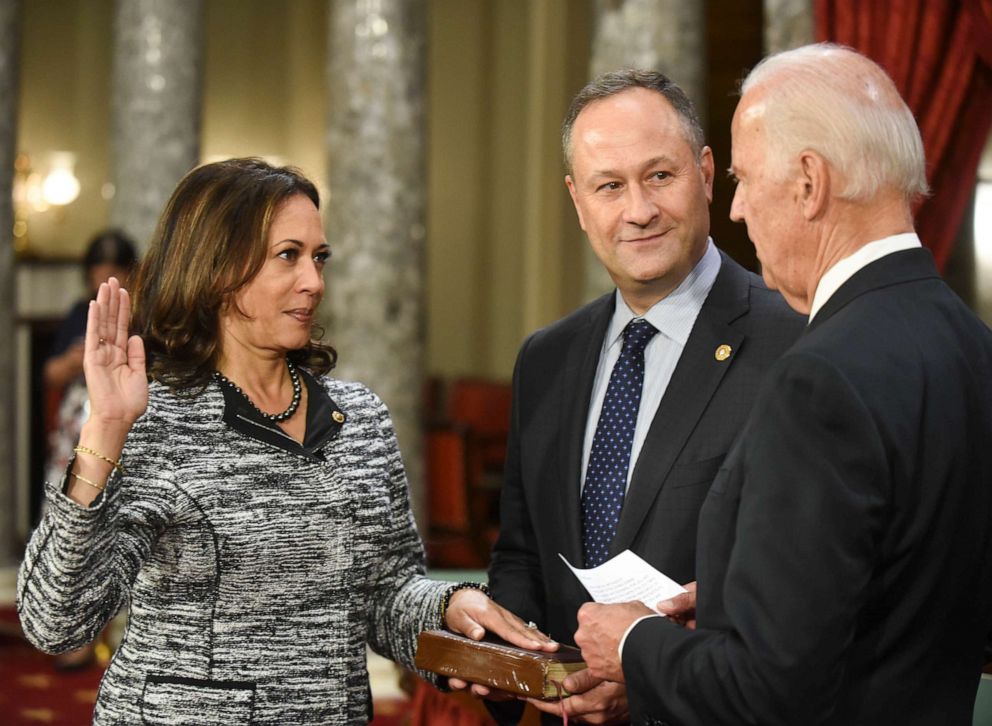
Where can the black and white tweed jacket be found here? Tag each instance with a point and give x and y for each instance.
(255, 571)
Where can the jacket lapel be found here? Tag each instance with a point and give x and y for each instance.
(696, 377)
(581, 361)
(892, 269)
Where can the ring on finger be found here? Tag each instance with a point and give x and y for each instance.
(531, 625)
(101, 341)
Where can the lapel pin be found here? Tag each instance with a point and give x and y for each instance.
(338, 416)
(723, 352)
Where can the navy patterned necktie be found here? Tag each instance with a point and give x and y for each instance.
(609, 457)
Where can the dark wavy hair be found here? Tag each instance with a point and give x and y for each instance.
(211, 241)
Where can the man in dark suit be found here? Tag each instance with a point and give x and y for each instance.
(844, 567)
(641, 180)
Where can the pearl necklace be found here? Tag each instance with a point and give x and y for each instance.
(274, 417)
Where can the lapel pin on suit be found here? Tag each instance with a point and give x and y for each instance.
(723, 352)
(338, 416)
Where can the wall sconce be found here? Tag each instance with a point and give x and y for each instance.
(60, 186)
(39, 187)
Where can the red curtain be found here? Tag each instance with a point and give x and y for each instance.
(939, 53)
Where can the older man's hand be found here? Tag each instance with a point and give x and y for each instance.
(600, 629)
(592, 700)
(681, 609)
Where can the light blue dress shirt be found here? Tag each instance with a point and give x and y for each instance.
(674, 317)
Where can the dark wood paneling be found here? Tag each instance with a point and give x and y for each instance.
(734, 45)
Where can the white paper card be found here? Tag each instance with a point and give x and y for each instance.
(624, 578)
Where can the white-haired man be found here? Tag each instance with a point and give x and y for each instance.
(844, 568)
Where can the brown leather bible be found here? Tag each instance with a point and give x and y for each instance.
(496, 663)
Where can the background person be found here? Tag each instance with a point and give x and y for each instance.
(108, 254)
(252, 511)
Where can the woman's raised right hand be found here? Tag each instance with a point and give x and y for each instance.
(113, 363)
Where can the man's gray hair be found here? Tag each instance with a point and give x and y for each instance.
(614, 82)
(835, 101)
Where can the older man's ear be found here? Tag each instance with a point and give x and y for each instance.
(815, 180)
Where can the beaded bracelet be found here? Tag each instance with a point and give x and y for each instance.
(87, 450)
(84, 480)
(446, 600)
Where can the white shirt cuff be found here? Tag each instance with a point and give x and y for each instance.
(632, 626)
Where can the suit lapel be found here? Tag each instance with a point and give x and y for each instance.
(892, 269)
(581, 361)
(696, 377)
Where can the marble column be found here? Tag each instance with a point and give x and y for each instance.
(788, 24)
(376, 136)
(9, 51)
(663, 35)
(155, 107)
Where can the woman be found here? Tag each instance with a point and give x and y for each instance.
(251, 511)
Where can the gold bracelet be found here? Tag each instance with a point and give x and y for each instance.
(87, 450)
(84, 480)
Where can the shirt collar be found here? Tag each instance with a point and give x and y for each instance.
(324, 419)
(843, 270)
(674, 315)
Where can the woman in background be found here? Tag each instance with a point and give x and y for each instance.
(251, 510)
(108, 254)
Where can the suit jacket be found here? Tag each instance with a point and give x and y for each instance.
(701, 412)
(256, 569)
(844, 571)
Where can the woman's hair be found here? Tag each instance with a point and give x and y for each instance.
(211, 241)
(110, 247)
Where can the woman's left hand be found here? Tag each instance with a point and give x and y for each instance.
(471, 612)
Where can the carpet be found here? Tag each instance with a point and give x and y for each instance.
(33, 692)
